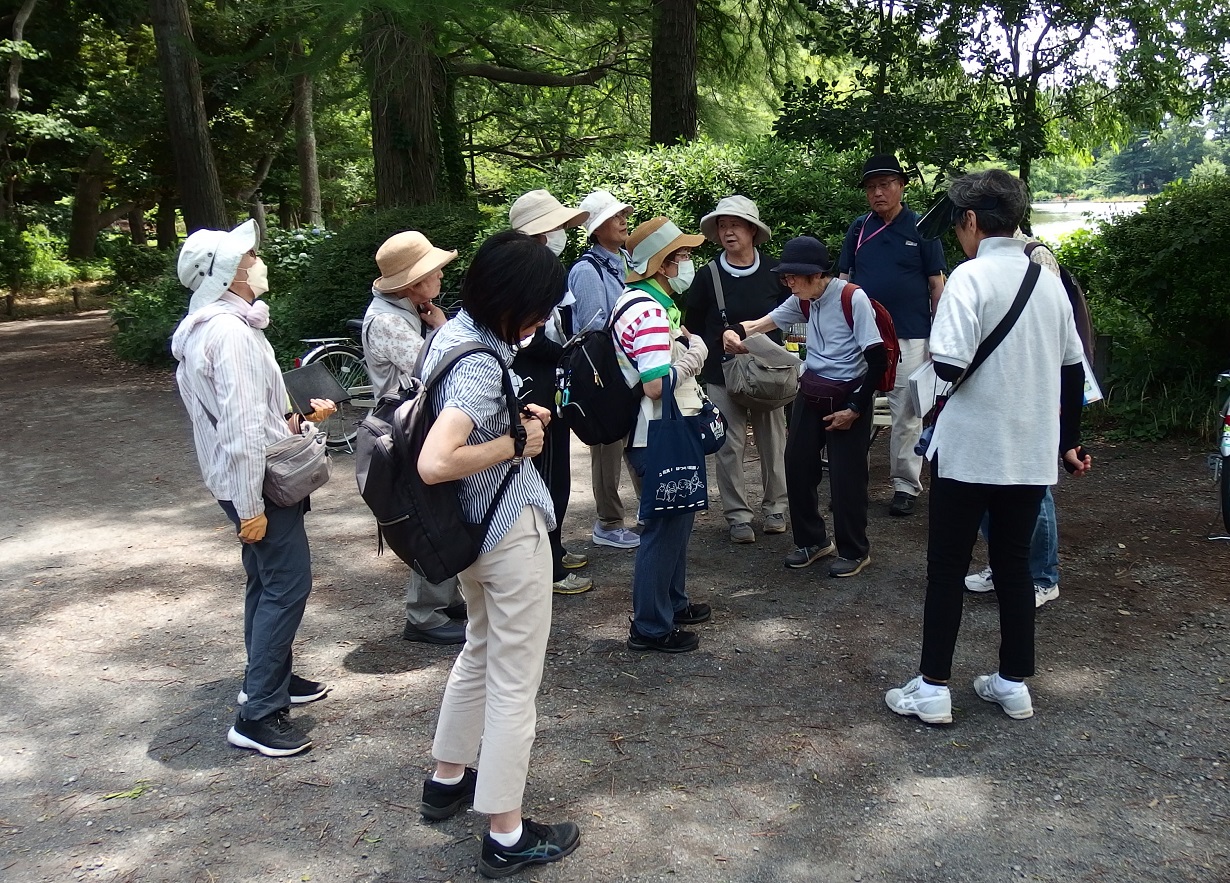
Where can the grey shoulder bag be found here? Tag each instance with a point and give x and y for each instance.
(760, 381)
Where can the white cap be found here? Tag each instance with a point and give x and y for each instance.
(210, 259)
(602, 206)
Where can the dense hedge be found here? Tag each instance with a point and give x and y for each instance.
(1159, 282)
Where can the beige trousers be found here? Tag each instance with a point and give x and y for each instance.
(492, 689)
(904, 466)
(769, 428)
(605, 463)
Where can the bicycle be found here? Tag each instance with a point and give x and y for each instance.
(343, 357)
(1219, 463)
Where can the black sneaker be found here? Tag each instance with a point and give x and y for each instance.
(302, 691)
(843, 567)
(675, 641)
(693, 614)
(539, 845)
(442, 801)
(804, 556)
(272, 735)
(902, 504)
(456, 611)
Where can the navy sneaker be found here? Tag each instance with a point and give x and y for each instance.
(539, 845)
(441, 801)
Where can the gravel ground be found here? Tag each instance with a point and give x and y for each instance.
(767, 755)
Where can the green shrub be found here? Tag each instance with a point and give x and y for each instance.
(288, 253)
(336, 283)
(16, 257)
(47, 269)
(799, 190)
(136, 264)
(145, 317)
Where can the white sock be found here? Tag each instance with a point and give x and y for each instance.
(1001, 686)
(509, 839)
(455, 780)
(925, 689)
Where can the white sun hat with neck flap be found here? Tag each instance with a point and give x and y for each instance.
(209, 260)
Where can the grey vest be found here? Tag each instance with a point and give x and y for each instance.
(386, 377)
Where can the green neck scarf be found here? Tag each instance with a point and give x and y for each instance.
(660, 294)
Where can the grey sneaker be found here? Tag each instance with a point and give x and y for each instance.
(774, 523)
(848, 566)
(980, 581)
(804, 556)
(616, 538)
(1042, 594)
(572, 584)
(1016, 702)
(742, 533)
(933, 709)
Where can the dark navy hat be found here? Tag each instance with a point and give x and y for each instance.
(804, 256)
(882, 164)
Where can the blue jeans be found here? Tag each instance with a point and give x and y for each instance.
(661, 567)
(279, 570)
(1043, 547)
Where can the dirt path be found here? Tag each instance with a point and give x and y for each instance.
(767, 755)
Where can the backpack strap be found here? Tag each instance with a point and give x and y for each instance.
(598, 264)
(997, 335)
(847, 302)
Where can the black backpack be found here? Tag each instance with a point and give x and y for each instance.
(423, 523)
(592, 397)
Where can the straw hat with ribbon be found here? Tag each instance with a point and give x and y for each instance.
(652, 242)
(405, 258)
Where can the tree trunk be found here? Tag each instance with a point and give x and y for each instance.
(286, 214)
(405, 144)
(305, 146)
(164, 223)
(672, 72)
(137, 230)
(12, 98)
(450, 135)
(257, 209)
(83, 234)
(188, 128)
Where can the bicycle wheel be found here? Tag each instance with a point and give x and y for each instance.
(1224, 486)
(345, 363)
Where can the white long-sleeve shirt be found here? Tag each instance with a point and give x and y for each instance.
(227, 371)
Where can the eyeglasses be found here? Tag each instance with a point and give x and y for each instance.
(885, 186)
(684, 254)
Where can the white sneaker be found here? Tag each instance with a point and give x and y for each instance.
(1015, 702)
(980, 581)
(1042, 594)
(933, 709)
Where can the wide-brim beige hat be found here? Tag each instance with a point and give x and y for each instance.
(601, 206)
(736, 207)
(539, 212)
(652, 242)
(209, 260)
(405, 258)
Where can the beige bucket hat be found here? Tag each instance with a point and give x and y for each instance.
(405, 258)
(539, 212)
(736, 207)
(651, 243)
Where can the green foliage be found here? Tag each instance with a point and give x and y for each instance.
(336, 284)
(798, 189)
(16, 257)
(136, 264)
(1158, 282)
(145, 317)
(289, 253)
(47, 269)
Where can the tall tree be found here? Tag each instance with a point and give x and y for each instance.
(188, 126)
(305, 145)
(672, 72)
(12, 95)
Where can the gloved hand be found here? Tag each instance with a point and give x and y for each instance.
(693, 360)
(325, 408)
(252, 530)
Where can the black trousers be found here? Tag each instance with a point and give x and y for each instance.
(554, 465)
(956, 510)
(806, 440)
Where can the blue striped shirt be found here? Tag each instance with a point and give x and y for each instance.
(475, 386)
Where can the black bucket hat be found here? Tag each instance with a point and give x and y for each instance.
(882, 164)
(804, 256)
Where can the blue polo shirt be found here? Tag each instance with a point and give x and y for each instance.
(892, 264)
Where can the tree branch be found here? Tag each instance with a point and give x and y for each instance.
(505, 74)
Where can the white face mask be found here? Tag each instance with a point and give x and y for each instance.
(557, 240)
(683, 278)
(258, 278)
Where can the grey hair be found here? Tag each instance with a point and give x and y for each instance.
(997, 199)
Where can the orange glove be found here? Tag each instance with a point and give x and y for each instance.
(325, 408)
(252, 530)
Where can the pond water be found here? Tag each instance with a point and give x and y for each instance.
(1052, 220)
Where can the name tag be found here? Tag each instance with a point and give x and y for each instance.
(908, 242)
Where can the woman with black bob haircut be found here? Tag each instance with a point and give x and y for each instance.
(510, 289)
